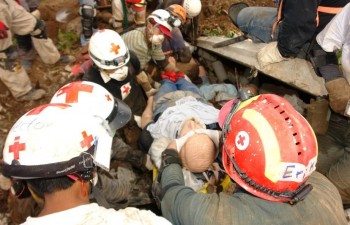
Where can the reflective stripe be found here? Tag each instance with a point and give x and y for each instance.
(325, 9)
(330, 10)
(279, 19)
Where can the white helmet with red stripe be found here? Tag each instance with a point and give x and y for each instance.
(55, 140)
(96, 100)
(268, 148)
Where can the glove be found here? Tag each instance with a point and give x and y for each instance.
(169, 156)
(269, 54)
(339, 94)
(3, 32)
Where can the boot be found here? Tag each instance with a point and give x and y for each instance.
(34, 94)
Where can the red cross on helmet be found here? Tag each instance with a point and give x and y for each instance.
(96, 100)
(269, 149)
(108, 50)
(54, 140)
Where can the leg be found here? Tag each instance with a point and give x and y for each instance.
(334, 155)
(258, 21)
(166, 87)
(183, 85)
(87, 12)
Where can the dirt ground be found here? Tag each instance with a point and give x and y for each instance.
(213, 20)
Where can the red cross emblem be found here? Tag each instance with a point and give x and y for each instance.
(108, 97)
(125, 90)
(87, 141)
(17, 147)
(241, 140)
(115, 48)
(72, 91)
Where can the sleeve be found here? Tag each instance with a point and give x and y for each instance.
(334, 35)
(135, 62)
(182, 205)
(297, 27)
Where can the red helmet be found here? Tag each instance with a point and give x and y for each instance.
(269, 149)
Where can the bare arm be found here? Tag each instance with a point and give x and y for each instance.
(147, 115)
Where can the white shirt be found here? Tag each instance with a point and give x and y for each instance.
(336, 35)
(169, 122)
(93, 214)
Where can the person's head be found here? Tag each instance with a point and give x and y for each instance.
(178, 14)
(96, 100)
(192, 7)
(137, 5)
(54, 145)
(268, 148)
(109, 54)
(158, 26)
(198, 147)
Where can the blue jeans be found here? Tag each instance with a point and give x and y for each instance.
(180, 85)
(334, 154)
(167, 87)
(258, 21)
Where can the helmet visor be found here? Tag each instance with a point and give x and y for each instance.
(120, 115)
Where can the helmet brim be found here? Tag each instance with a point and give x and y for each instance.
(120, 115)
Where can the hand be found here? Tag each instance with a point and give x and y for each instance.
(269, 54)
(3, 30)
(169, 156)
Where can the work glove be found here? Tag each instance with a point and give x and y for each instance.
(339, 94)
(169, 156)
(269, 54)
(3, 30)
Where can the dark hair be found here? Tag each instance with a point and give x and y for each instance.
(49, 185)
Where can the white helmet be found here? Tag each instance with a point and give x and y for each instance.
(96, 100)
(162, 17)
(54, 140)
(108, 50)
(192, 7)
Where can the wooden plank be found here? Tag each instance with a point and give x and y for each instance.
(297, 73)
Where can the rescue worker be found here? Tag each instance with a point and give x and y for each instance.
(115, 191)
(287, 29)
(73, 144)
(146, 43)
(333, 159)
(15, 19)
(270, 151)
(115, 68)
(190, 26)
(176, 48)
(126, 12)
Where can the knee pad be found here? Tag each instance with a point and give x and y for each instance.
(39, 30)
(88, 13)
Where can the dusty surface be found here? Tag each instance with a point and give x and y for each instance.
(213, 21)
